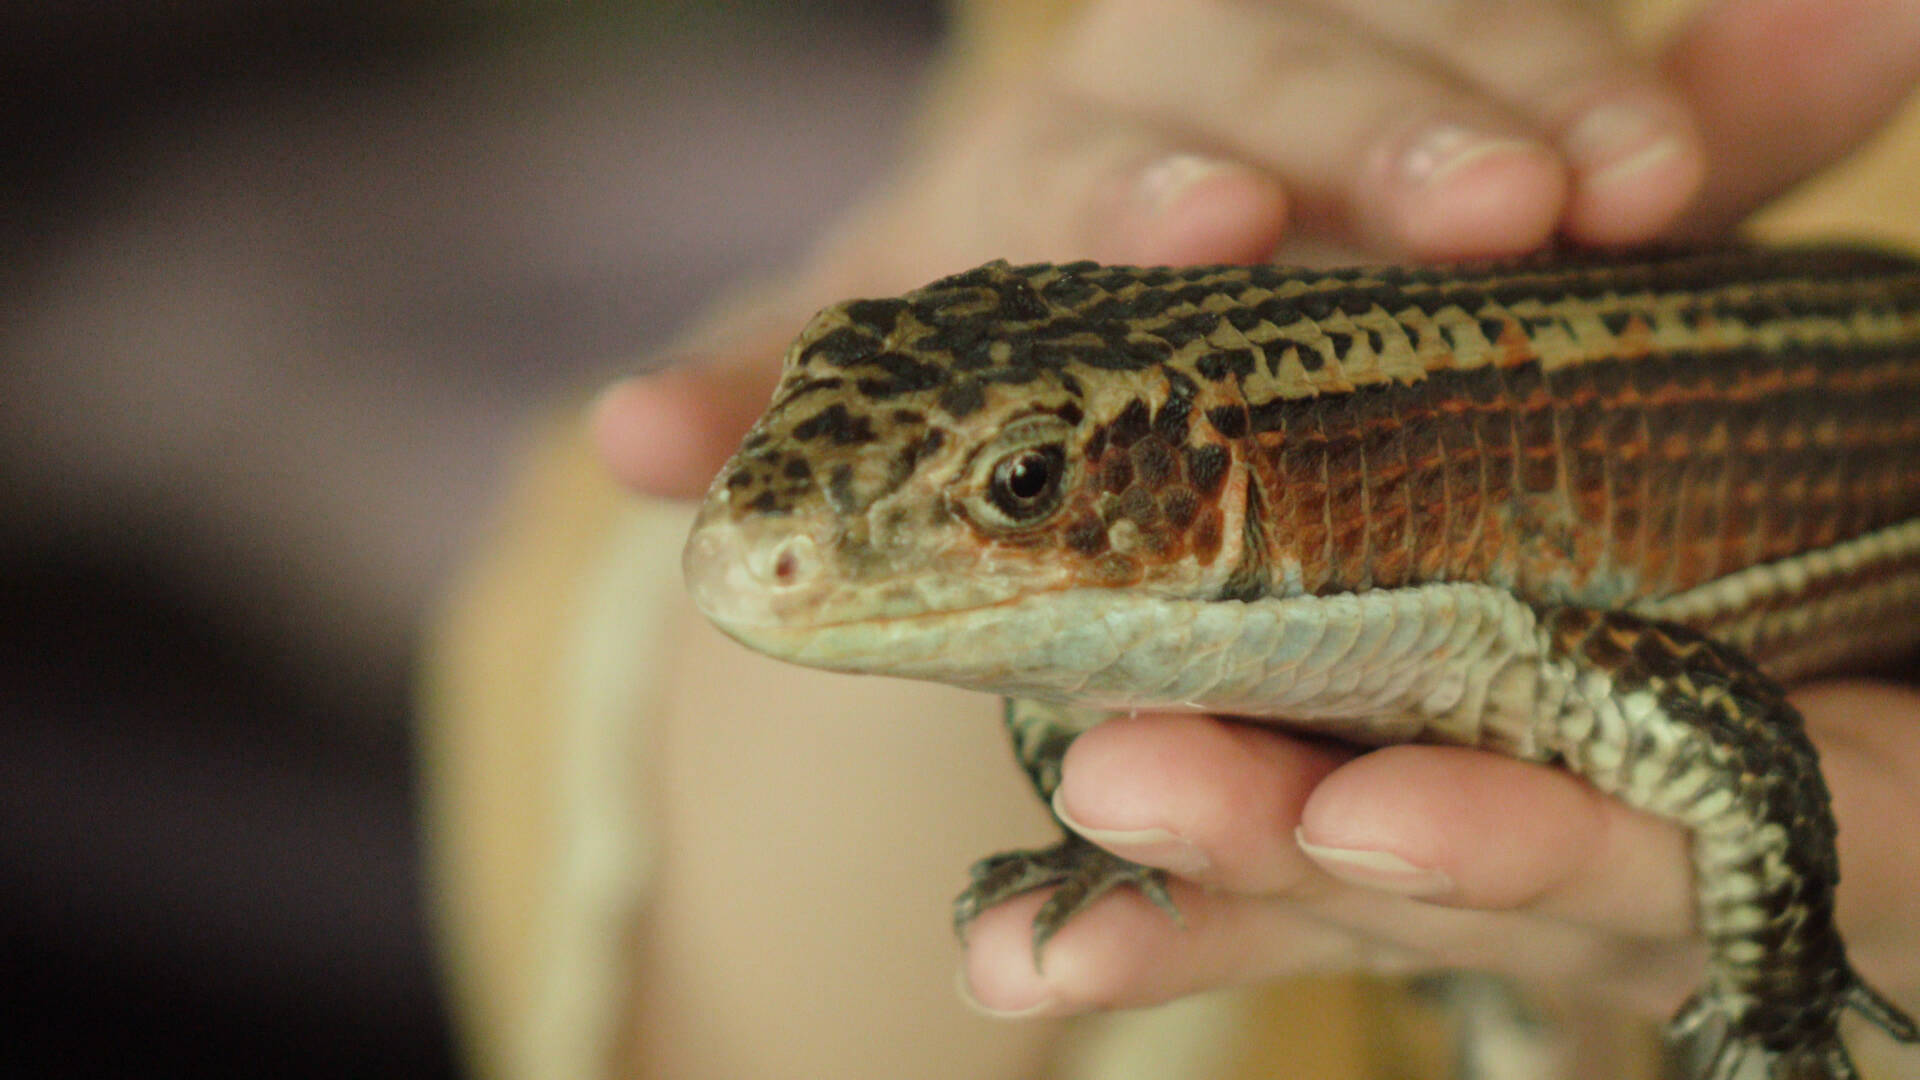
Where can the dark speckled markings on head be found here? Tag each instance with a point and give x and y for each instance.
(1345, 373)
(1576, 429)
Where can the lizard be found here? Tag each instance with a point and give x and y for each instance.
(1584, 509)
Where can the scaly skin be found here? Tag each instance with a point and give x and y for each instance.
(1582, 511)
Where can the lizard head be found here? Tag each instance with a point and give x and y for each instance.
(993, 437)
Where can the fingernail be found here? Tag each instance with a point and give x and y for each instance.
(1163, 848)
(1381, 870)
(963, 987)
(1612, 143)
(1445, 149)
(1163, 183)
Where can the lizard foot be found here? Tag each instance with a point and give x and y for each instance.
(1083, 871)
(1712, 1046)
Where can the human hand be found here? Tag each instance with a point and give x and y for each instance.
(1155, 131)
(1297, 856)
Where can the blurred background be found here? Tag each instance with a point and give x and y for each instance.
(285, 286)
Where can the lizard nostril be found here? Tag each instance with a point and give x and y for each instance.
(792, 562)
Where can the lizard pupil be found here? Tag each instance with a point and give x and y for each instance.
(1028, 478)
(1026, 485)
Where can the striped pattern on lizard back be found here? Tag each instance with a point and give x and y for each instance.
(1551, 508)
(1581, 431)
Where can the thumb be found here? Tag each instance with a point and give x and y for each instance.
(666, 433)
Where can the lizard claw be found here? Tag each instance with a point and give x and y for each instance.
(1083, 871)
(1709, 1042)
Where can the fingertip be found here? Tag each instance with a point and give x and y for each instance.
(1118, 952)
(1129, 783)
(1375, 868)
(1638, 163)
(1447, 824)
(623, 422)
(615, 416)
(667, 433)
(1465, 828)
(1121, 952)
(997, 976)
(1205, 799)
(1458, 192)
(1388, 810)
(1194, 208)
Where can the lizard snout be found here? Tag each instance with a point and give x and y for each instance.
(741, 575)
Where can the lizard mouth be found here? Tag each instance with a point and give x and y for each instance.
(778, 586)
(772, 583)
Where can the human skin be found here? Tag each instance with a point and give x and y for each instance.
(1153, 131)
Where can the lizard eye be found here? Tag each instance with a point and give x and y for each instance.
(1021, 478)
(1025, 485)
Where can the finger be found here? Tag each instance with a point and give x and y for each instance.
(1040, 177)
(1053, 181)
(1783, 88)
(1366, 141)
(1626, 134)
(1475, 830)
(1195, 208)
(1211, 801)
(1124, 952)
(1252, 811)
(668, 433)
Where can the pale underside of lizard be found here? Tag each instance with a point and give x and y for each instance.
(1584, 512)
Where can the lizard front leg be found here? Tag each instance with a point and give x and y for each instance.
(1670, 722)
(1082, 870)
